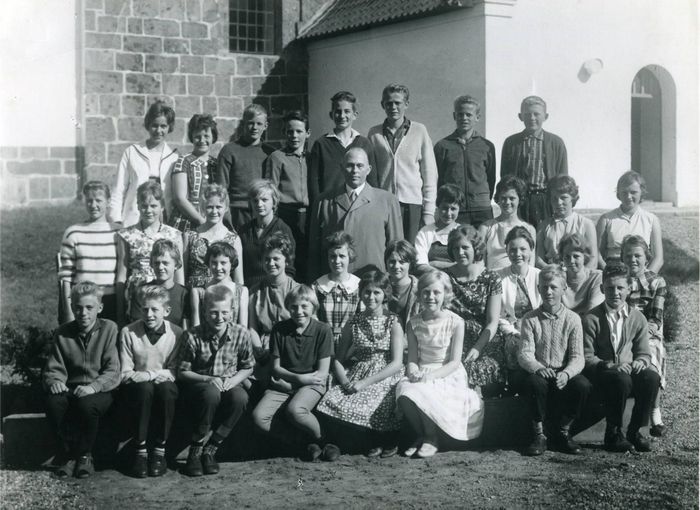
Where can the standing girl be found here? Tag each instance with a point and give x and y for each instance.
(337, 292)
(214, 206)
(435, 396)
(152, 160)
(135, 243)
(368, 367)
(192, 173)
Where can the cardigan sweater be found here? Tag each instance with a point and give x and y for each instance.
(411, 172)
(598, 346)
(509, 287)
(138, 354)
(555, 158)
(75, 363)
(134, 169)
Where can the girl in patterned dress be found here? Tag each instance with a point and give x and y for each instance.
(435, 395)
(214, 205)
(431, 240)
(221, 259)
(368, 367)
(337, 291)
(134, 245)
(477, 300)
(192, 173)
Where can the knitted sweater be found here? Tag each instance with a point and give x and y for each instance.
(411, 172)
(237, 166)
(138, 354)
(89, 253)
(551, 340)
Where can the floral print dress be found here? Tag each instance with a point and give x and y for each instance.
(469, 302)
(197, 270)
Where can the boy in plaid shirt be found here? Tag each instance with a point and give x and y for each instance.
(215, 358)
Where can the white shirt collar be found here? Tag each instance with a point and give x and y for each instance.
(357, 190)
(625, 311)
(350, 285)
(353, 134)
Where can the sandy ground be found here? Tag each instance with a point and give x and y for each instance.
(667, 478)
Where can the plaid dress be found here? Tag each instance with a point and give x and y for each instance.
(199, 173)
(647, 295)
(338, 302)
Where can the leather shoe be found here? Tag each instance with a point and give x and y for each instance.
(193, 466)
(389, 452)
(537, 447)
(157, 465)
(65, 469)
(616, 442)
(209, 464)
(313, 452)
(140, 467)
(330, 452)
(85, 467)
(641, 443)
(564, 444)
(375, 452)
(658, 430)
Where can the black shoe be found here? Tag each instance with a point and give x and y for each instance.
(209, 464)
(389, 452)
(616, 442)
(65, 469)
(331, 452)
(157, 466)
(193, 466)
(564, 443)
(313, 452)
(375, 452)
(658, 430)
(140, 467)
(641, 443)
(537, 447)
(85, 467)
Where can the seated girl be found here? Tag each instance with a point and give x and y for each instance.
(563, 195)
(583, 285)
(477, 300)
(367, 368)
(629, 219)
(337, 292)
(434, 396)
(431, 240)
(511, 191)
(520, 294)
(221, 259)
(647, 294)
(399, 259)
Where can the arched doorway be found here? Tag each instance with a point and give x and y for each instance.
(653, 130)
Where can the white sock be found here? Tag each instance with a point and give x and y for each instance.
(656, 416)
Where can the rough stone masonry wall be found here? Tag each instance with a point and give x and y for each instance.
(136, 51)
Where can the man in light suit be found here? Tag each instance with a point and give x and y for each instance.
(371, 216)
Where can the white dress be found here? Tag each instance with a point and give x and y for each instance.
(449, 402)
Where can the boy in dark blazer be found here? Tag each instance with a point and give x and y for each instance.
(616, 349)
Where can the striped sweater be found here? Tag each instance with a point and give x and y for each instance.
(89, 253)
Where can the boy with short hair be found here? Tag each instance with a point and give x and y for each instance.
(405, 161)
(241, 161)
(146, 350)
(165, 260)
(535, 156)
(215, 358)
(80, 373)
(327, 155)
(551, 358)
(468, 160)
(616, 347)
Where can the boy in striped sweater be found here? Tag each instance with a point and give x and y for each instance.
(89, 253)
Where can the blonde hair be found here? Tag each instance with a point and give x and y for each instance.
(436, 276)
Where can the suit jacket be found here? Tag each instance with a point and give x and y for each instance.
(373, 219)
(555, 160)
(597, 343)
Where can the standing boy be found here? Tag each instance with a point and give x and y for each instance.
(146, 351)
(405, 161)
(616, 346)
(468, 160)
(80, 373)
(240, 162)
(327, 156)
(535, 156)
(215, 358)
(551, 358)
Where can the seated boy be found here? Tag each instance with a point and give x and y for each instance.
(215, 358)
(468, 160)
(616, 346)
(405, 161)
(146, 349)
(535, 156)
(551, 356)
(327, 155)
(241, 161)
(80, 373)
